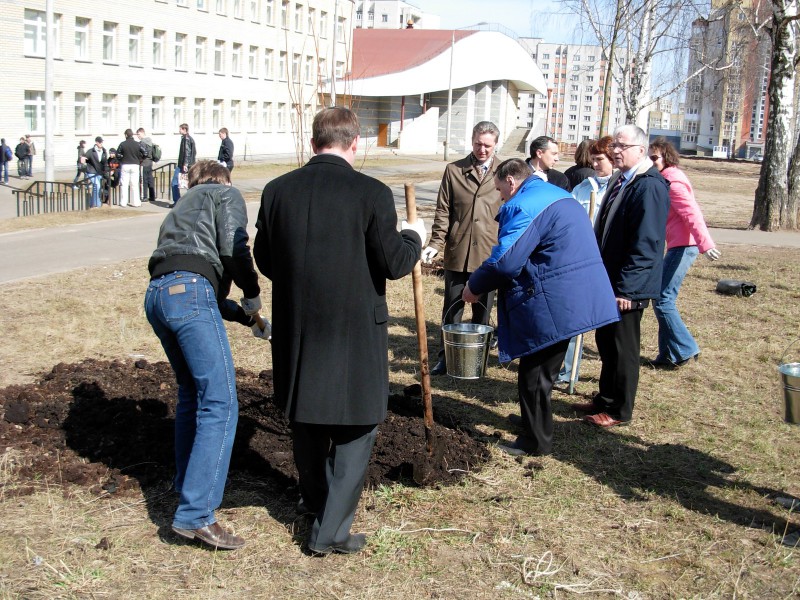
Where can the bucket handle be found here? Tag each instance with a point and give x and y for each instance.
(447, 312)
(787, 350)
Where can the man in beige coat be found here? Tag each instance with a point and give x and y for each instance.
(464, 226)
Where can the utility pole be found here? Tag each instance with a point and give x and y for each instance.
(449, 97)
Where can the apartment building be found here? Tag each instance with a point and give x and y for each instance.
(392, 14)
(727, 109)
(256, 67)
(570, 111)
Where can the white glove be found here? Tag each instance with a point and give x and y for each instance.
(418, 226)
(713, 254)
(251, 305)
(264, 334)
(428, 254)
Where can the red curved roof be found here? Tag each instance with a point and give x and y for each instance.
(383, 51)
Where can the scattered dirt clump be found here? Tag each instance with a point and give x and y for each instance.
(108, 426)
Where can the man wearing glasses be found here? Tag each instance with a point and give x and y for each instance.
(630, 230)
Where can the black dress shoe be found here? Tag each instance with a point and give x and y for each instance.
(440, 368)
(520, 448)
(354, 543)
(213, 535)
(515, 420)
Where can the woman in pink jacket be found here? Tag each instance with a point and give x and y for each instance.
(687, 236)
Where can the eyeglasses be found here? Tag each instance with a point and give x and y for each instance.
(623, 147)
(654, 157)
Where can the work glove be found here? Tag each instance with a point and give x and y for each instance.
(264, 334)
(251, 306)
(418, 226)
(713, 254)
(428, 254)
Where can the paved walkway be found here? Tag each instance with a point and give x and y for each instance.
(34, 253)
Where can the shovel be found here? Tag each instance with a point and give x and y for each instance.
(422, 462)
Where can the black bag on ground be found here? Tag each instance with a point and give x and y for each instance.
(735, 287)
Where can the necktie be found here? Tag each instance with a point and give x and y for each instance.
(482, 171)
(609, 200)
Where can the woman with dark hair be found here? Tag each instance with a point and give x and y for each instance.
(687, 236)
(599, 153)
(583, 164)
(202, 248)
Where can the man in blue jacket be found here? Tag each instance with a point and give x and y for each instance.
(630, 230)
(552, 286)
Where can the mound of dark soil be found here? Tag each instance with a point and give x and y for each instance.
(108, 426)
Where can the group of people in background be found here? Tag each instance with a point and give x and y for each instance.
(24, 152)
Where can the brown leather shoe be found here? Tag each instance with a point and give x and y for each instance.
(603, 420)
(213, 535)
(585, 407)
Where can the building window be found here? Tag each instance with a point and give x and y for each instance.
(220, 6)
(34, 111)
(545, 56)
(107, 112)
(267, 116)
(201, 5)
(177, 112)
(134, 45)
(270, 12)
(295, 67)
(133, 110)
(281, 116)
(339, 69)
(158, 48)
(384, 18)
(282, 72)
(298, 17)
(570, 127)
(109, 41)
(82, 38)
(184, 3)
(340, 29)
(285, 14)
(35, 36)
(216, 115)
(268, 63)
(252, 116)
(323, 24)
(200, 54)
(312, 20)
(255, 11)
(371, 16)
(219, 56)
(81, 112)
(359, 15)
(199, 111)
(309, 70)
(587, 117)
(180, 51)
(546, 66)
(236, 60)
(157, 113)
(238, 9)
(252, 61)
(236, 113)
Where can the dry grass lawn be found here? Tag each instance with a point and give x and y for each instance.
(676, 505)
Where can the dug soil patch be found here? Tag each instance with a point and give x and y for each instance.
(108, 427)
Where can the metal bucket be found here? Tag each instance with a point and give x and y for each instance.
(790, 375)
(466, 349)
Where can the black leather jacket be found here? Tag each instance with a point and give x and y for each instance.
(186, 154)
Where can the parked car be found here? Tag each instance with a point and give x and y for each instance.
(758, 157)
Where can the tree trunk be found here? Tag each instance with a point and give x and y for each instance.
(772, 194)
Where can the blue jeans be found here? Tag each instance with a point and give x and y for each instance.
(183, 311)
(675, 343)
(176, 189)
(4, 171)
(97, 183)
(563, 375)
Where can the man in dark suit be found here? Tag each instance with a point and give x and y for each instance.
(544, 156)
(327, 238)
(630, 231)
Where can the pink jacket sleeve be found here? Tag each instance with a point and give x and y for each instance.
(685, 223)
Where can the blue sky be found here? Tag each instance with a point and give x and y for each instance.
(526, 18)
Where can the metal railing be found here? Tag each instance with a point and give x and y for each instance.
(163, 180)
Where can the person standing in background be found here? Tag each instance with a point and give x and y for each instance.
(6, 156)
(687, 236)
(21, 152)
(225, 155)
(186, 158)
(80, 166)
(583, 164)
(96, 169)
(148, 182)
(129, 154)
(544, 156)
(464, 227)
(31, 154)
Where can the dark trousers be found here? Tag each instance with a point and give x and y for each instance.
(332, 462)
(453, 307)
(619, 347)
(535, 378)
(148, 184)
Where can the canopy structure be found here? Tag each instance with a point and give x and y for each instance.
(405, 62)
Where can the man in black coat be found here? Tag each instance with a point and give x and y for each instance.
(327, 238)
(630, 230)
(225, 154)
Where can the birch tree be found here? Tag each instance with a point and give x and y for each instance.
(775, 205)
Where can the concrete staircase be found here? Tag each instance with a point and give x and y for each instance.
(515, 142)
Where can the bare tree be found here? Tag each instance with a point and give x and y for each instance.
(774, 206)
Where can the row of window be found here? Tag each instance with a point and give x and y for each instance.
(161, 115)
(576, 58)
(228, 58)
